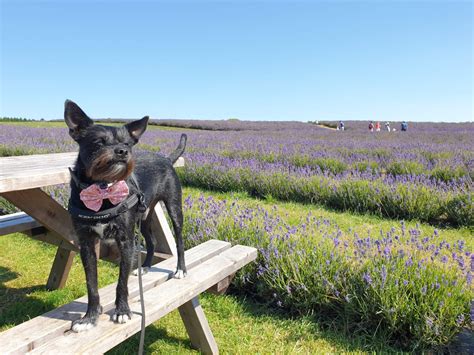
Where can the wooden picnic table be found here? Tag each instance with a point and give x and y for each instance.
(21, 181)
(211, 266)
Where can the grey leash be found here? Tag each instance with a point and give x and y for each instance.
(141, 209)
(140, 286)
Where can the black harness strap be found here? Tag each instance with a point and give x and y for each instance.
(105, 215)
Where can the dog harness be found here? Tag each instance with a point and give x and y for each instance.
(93, 194)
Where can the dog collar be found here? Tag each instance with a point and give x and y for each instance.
(136, 199)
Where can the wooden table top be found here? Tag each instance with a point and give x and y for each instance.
(33, 171)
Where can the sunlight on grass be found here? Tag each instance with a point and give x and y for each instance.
(361, 223)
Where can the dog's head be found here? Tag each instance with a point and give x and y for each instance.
(105, 152)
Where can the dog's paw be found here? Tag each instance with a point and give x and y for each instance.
(180, 274)
(84, 324)
(121, 317)
(145, 270)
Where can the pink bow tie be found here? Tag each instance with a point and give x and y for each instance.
(93, 196)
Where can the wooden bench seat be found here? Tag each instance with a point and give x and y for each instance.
(207, 264)
(16, 223)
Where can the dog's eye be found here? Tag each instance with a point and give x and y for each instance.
(100, 141)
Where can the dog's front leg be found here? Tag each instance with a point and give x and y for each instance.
(122, 310)
(94, 309)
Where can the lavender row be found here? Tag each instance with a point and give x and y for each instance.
(422, 174)
(412, 288)
(399, 200)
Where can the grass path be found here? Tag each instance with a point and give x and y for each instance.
(348, 222)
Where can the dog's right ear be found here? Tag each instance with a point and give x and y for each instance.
(76, 119)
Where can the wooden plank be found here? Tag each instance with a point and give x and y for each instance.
(46, 211)
(159, 301)
(197, 326)
(33, 171)
(179, 163)
(20, 222)
(35, 332)
(30, 171)
(60, 270)
(17, 222)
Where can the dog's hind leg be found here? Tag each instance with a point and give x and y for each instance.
(150, 243)
(176, 214)
(94, 309)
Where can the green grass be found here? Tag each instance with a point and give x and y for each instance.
(360, 223)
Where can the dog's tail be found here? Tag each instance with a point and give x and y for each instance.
(180, 150)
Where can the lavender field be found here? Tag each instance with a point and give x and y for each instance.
(425, 174)
(410, 286)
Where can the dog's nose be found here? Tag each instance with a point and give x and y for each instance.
(121, 152)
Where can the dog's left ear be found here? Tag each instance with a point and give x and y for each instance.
(136, 128)
(76, 119)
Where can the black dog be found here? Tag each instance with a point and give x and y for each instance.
(105, 165)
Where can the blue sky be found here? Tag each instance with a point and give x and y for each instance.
(266, 60)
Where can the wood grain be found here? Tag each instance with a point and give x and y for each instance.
(159, 301)
(45, 210)
(197, 327)
(37, 331)
(31, 171)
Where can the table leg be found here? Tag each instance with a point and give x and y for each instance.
(53, 216)
(60, 270)
(197, 327)
(165, 242)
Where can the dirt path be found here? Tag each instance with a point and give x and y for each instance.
(326, 127)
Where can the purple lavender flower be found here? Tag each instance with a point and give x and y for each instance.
(366, 277)
(460, 319)
(472, 312)
(383, 275)
(469, 278)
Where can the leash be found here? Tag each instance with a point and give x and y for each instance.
(140, 287)
(141, 208)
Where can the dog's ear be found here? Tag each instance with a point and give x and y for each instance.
(136, 128)
(76, 119)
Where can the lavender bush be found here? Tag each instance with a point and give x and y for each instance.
(412, 289)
